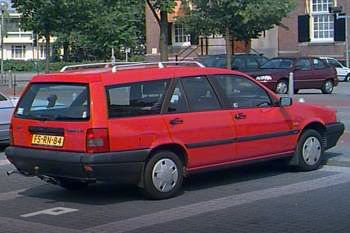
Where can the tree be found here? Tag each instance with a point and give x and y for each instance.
(164, 7)
(235, 19)
(41, 16)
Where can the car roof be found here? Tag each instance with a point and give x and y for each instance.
(130, 75)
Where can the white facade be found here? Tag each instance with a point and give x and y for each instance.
(18, 44)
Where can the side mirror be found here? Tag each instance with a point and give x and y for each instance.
(285, 101)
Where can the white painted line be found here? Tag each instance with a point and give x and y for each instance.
(11, 195)
(53, 212)
(4, 162)
(182, 212)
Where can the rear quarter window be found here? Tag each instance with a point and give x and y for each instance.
(136, 99)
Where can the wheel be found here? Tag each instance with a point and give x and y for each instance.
(163, 175)
(347, 78)
(72, 185)
(309, 150)
(282, 87)
(327, 87)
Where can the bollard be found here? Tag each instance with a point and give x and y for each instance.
(291, 85)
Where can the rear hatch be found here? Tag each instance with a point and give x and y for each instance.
(52, 116)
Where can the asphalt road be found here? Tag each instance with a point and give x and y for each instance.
(267, 197)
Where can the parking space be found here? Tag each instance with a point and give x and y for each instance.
(268, 196)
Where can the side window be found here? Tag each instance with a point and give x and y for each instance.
(304, 64)
(200, 94)
(240, 92)
(318, 64)
(2, 98)
(238, 63)
(177, 103)
(136, 99)
(252, 63)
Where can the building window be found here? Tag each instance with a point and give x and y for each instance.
(322, 21)
(42, 51)
(180, 36)
(18, 51)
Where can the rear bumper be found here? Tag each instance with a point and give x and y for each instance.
(333, 132)
(123, 166)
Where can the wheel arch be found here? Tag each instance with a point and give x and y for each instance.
(178, 149)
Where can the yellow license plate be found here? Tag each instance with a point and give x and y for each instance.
(47, 140)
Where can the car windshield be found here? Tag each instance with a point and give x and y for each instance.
(55, 102)
(278, 63)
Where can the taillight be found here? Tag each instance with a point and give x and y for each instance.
(97, 141)
(11, 135)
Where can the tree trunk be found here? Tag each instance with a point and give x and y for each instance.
(47, 53)
(65, 51)
(163, 40)
(228, 41)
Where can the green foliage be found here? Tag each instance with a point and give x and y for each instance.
(163, 5)
(245, 19)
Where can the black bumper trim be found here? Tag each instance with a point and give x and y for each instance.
(333, 132)
(112, 166)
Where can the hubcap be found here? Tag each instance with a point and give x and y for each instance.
(329, 86)
(165, 175)
(282, 88)
(312, 151)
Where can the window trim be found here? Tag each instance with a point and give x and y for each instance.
(165, 107)
(166, 91)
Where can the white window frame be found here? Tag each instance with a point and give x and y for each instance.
(22, 50)
(314, 14)
(185, 39)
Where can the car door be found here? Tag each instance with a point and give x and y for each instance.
(261, 128)
(6, 110)
(303, 75)
(196, 120)
(320, 74)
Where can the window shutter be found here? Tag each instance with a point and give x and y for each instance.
(303, 28)
(339, 29)
(170, 33)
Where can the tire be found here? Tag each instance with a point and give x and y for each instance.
(72, 185)
(160, 179)
(282, 87)
(327, 87)
(347, 78)
(310, 150)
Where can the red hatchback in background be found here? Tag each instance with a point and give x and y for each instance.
(154, 124)
(309, 73)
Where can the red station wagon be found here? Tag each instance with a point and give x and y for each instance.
(154, 124)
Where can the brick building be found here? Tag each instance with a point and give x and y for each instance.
(181, 44)
(310, 30)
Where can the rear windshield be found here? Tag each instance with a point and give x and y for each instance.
(53, 101)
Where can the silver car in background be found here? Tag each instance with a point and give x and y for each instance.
(343, 72)
(7, 106)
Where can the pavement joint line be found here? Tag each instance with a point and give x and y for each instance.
(196, 209)
(11, 195)
(17, 225)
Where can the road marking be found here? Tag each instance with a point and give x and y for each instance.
(182, 212)
(11, 195)
(53, 212)
(4, 162)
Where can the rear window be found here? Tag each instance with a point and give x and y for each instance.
(55, 102)
(136, 99)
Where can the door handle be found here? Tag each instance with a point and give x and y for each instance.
(176, 121)
(240, 116)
